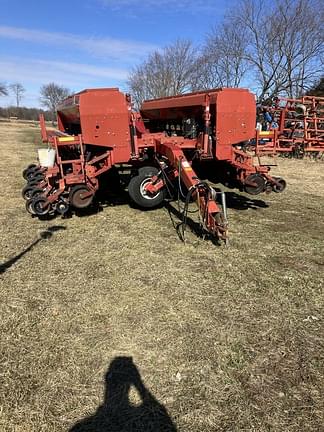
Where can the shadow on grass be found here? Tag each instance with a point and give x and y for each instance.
(233, 201)
(180, 226)
(118, 413)
(44, 235)
(103, 199)
(241, 202)
(109, 199)
(106, 199)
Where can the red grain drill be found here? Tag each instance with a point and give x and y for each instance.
(174, 142)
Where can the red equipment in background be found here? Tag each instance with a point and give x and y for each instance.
(166, 144)
(300, 127)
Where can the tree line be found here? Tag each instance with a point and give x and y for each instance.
(25, 113)
(50, 96)
(277, 45)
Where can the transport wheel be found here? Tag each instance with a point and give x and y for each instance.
(260, 184)
(29, 207)
(24, 173)
(40, 206)
(137, 192)
(76, 197)
(281, 186)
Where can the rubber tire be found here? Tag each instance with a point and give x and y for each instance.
(282, 186)
(38, 177)
(24, 173)
(36, 192)
(134, 189)
(40, 211)
(27, 192)
(33, 183)
(29, 207)
(32, 172)
(30, 166)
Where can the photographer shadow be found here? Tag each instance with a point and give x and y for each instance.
(118, 413)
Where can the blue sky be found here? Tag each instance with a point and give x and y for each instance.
(92, 43)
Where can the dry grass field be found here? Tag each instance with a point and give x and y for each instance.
(221, 339)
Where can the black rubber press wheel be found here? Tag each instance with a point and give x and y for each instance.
(36, 192)
(137, 192)
(281, 186)
(36, 178)
(34, 183)
(27, 191)
(29, 207)
(33, 172)
(40, 206)
(28, 169)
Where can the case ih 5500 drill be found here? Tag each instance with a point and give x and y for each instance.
(170, 141)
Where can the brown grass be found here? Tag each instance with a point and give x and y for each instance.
(224, 339)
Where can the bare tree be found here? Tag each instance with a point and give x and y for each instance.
(166, 73)
(18, 91)
(278, 44)
(284, 43)
(3, 90)
(51, 95)
(222, 62)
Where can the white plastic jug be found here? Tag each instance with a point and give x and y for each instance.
(46, 157)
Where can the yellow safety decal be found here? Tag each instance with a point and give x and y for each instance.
(65, 139)
(265, 133)
(185, 164)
